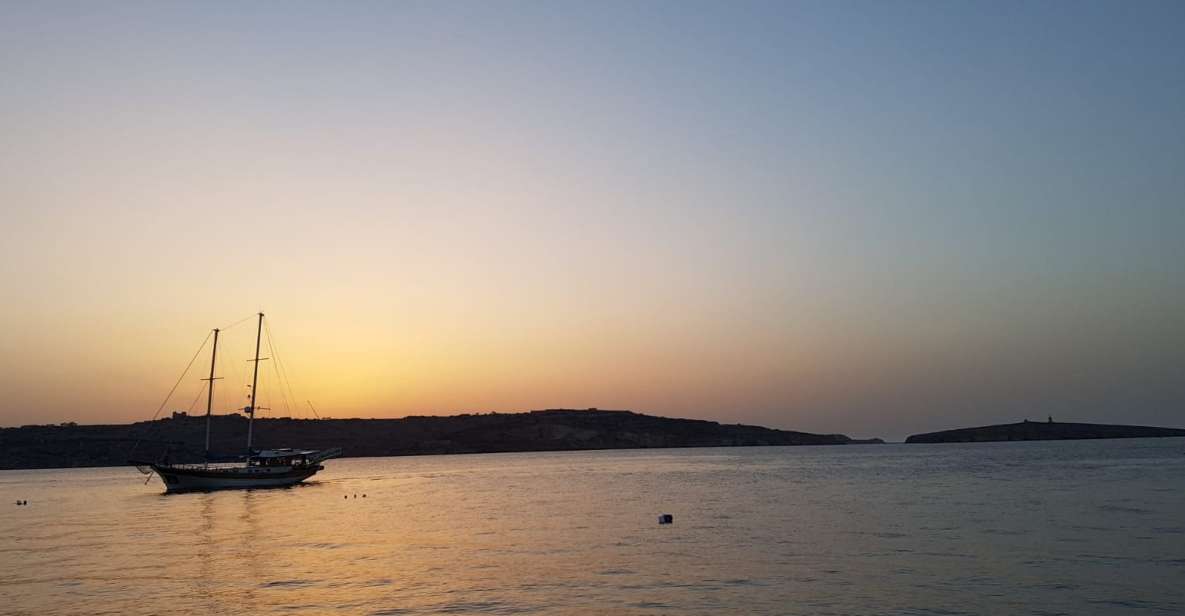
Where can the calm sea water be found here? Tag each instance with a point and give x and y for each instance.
(1084, 527)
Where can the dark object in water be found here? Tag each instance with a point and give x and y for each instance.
(666, 518)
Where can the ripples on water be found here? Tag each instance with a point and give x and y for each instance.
(1084, 527)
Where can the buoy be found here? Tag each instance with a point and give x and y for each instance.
(363, 496)
(666, 518)
(345, 496)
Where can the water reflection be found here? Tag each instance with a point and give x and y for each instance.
(205, 545)
(1082, 528)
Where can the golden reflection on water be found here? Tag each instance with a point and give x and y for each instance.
(1078, 528)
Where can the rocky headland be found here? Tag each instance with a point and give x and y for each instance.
(1042, 431)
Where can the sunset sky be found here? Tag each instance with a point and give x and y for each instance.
(874, 218)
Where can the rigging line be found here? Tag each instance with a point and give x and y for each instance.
(196, 398)
(182, 377)
(240, 321)
(288, 385)
(282, 373)
(170, 395)
(315, 414)
(287, 382)
(282, 369)
(276, 369)
(221, 395)
(235, 373)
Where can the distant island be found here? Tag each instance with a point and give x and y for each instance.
(182, 435)
(1042, 431)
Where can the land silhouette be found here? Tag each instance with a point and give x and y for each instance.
(1042, 431)
(182, 436)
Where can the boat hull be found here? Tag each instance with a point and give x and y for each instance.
(197, 479)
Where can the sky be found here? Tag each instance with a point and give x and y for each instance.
(871, 218)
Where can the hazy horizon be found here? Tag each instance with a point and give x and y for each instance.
(874, 219)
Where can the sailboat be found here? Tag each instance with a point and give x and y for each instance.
(264, 468)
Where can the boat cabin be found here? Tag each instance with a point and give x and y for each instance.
(281, 457)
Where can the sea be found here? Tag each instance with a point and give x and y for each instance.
(1042, 528)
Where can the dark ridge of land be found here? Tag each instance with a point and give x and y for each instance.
(69, 445)
(1042, 431)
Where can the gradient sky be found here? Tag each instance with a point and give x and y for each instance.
(874, 218)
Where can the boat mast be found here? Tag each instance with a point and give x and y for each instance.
(254, 384)
(210, 392)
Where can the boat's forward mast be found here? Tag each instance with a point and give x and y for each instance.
(210, 391)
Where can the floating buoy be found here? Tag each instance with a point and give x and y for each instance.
(363, 496)
(345, 496)
(666, 518)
